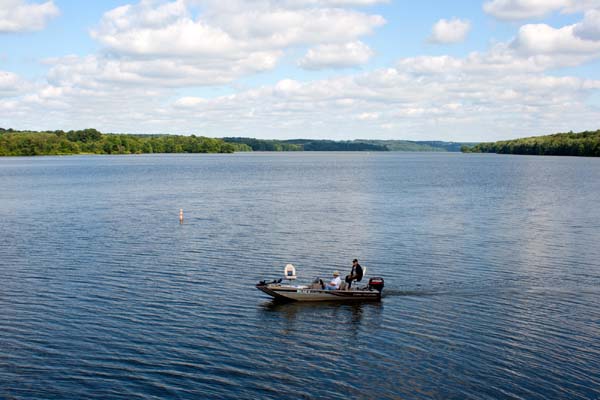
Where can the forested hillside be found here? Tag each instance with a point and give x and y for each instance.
(585, 144)
(91, 141)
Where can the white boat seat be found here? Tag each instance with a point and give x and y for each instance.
(289, 272)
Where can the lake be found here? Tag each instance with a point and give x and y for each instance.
(491, 265)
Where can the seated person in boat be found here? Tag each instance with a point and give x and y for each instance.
(356, 273)
(335, 282)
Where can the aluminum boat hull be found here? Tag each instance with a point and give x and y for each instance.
(303, 293)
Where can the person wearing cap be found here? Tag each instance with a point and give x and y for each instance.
(356, 273)
(335, 282)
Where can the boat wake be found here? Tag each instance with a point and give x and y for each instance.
(454, 288)
(490, 286)
(409, 292)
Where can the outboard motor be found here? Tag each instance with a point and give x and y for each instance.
(376, 283)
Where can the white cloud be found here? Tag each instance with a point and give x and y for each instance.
(11, 84)
(279, 27)
(162, 31)
(501, 59)
(544, 39)
(589, 28)
(146, 29)
(494, 94)
(98, 71)
(388, 99)
(287, 87)
(133, 85)
(189, 102)
(523, 9)
(503, 92)
(227, 40)
(20, 16)
(336, 56)
(8, 82)
(575, 6)
(367, 116)
(450, 31)
(335, 3)
(261, 5)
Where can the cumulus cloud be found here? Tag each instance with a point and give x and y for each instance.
(152, 49)
(557, 47)
(500, 91)
(589, 28)
(147, 29)
(496, 92)
(523, 9)
(177, 45)
(170, 29)
(21, 16)
(336, 56)
(450, 31)
(535, 48)
(367, 116)
(467, 97)
(574, 6)
(505, 90)
(336, 3)
(544, 39)
(237, 5)
(11, 84)
(97, 71)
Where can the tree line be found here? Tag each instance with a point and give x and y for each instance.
(91, 141)
(585, 144)
(306, 145)
(264, 144)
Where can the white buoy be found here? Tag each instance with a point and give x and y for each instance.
(181, 215)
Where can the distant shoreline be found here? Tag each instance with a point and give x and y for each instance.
(582, 144)
(93, 142)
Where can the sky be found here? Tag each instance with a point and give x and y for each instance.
(325, 69)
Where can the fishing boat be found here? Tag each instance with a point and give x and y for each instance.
(316, 292)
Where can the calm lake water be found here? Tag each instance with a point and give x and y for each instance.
(492, 269)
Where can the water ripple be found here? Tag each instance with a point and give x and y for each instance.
(491, 268)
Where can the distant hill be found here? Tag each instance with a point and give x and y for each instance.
(305, 145)
(345, 145)
(447, 146)
(263, 144)
(401, 145)
(409, 145)
(586, 144)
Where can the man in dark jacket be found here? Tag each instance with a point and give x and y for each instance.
(356, 273)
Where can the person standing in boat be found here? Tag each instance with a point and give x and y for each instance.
(356, 274)
(335, 282)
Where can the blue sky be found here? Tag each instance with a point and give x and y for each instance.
(340, 69)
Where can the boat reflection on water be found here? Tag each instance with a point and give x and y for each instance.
(348, 317)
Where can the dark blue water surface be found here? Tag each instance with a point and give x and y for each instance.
(492, 269)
